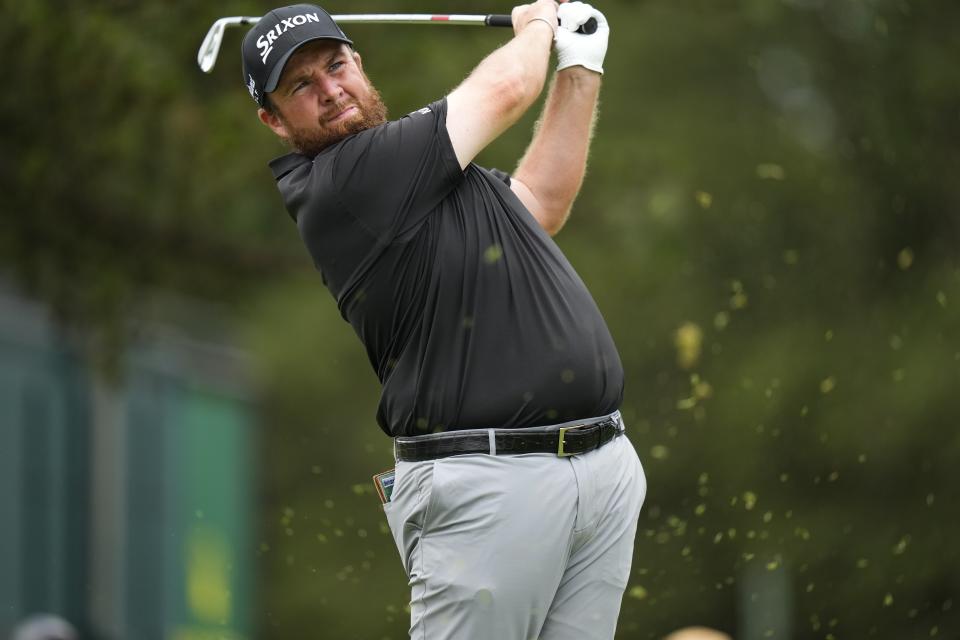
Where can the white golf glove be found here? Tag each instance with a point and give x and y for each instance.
(586, 50)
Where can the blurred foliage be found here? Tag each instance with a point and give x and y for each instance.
(770, 226)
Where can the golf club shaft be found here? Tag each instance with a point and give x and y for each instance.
(493, 20)
(210, 48)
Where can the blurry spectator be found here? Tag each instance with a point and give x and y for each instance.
(44, 626)
(697, 633)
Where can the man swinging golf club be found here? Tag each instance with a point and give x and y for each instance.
(516, 493)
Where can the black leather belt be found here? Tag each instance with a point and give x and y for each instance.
(565, 441)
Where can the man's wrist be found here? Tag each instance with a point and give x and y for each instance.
(543, 21)
(581, 74)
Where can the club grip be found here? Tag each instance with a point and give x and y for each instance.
(502, 20)
(498, 20)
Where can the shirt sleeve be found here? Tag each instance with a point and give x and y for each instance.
(502, 176)
(392, 176)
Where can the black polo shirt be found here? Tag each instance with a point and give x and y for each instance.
(470, 314)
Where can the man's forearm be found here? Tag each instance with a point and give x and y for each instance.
(555, 162)
(525, 60)
(500, 89)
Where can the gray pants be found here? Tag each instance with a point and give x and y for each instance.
(518, 547)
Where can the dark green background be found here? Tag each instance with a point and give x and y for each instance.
(778, 176)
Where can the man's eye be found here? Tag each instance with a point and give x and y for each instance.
(336, 65)
(299, 85)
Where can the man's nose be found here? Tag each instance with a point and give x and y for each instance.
(330, 90)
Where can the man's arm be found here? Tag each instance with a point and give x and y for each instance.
(504, 84)
(551, 172)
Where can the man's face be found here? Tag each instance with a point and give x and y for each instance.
(323, 96)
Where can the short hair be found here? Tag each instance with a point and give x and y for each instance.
(268, 106)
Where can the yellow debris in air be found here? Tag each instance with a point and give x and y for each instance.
(721, 320)
(704, 199)
(770, 171)
(749, 500)
(493, 253)
(828, 384)
(688, 340)
(638, 593)
(739, 298)
(905, 258)
(901, 546)
(701, 388)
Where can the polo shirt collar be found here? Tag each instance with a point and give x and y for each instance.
(285, 164)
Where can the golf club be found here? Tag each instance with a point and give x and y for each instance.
(207, 56)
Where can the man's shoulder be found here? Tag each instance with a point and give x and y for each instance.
(431, 109)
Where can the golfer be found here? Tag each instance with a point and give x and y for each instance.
(516, 493)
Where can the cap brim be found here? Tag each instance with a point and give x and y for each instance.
(277, 71)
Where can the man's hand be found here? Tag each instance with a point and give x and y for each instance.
(542, 11)
(578, 49)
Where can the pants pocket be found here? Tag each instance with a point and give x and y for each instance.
(407, 509)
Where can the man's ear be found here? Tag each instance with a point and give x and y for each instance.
(273, 121)
(358, 60)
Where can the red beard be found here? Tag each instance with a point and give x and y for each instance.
(371, 112)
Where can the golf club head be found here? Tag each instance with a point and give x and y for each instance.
(210, 48)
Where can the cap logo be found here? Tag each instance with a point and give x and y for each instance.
(265, 42)
(252, 88)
